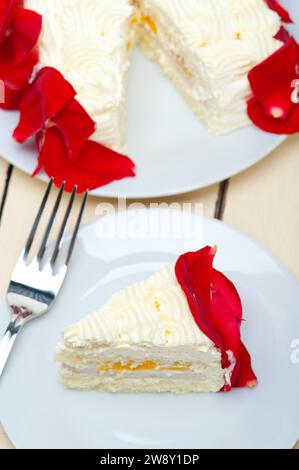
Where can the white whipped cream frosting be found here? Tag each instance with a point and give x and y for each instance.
(153, 312)
(87, 41)
(204, 22)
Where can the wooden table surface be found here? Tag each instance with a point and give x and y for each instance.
(263, 202)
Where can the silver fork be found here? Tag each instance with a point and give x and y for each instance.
(34, 287)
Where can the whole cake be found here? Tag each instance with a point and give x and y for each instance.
(207, 47)
(178, 331)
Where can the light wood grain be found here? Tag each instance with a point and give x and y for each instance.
(3, 174)
(263, 202)
(4, 440)
(23, 199)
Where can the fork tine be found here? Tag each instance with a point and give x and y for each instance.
(63, 227)
(37, 220)
(50, 224)
(76, 229)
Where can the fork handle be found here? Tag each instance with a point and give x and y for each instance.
(7, 343)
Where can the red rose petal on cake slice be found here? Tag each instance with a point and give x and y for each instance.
(226, 311)
(76, 126)
(42, 100)
(282, 12)
(227, 315)
(7, 12)
(243, 375)
(194, 274)
(96, 166)
(217, 310)
(283, 35)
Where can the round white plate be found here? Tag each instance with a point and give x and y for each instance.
(38, 412)
(173, 151)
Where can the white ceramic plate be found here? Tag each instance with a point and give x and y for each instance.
(38, 412)
(173, 152)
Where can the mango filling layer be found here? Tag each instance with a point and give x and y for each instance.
(146, 21)
(142, 366)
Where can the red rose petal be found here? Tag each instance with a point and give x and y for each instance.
(271, 107)
(271, 79)
(243, 375)
(12, 99)
(194, 274)
(96, 166)
(76, 126)
(43, 99)
(7, 12)
(226, 316)
(217, 310)
(18, 54)
(283, 35)
(226, 311)
(256, 113)
(282, 12)
(17, 78)
(25, 30)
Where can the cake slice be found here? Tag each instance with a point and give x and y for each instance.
(152, 337)
(207, 47)
(89, 42)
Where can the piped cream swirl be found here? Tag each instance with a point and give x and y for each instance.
(87, 42)
(152, 312)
